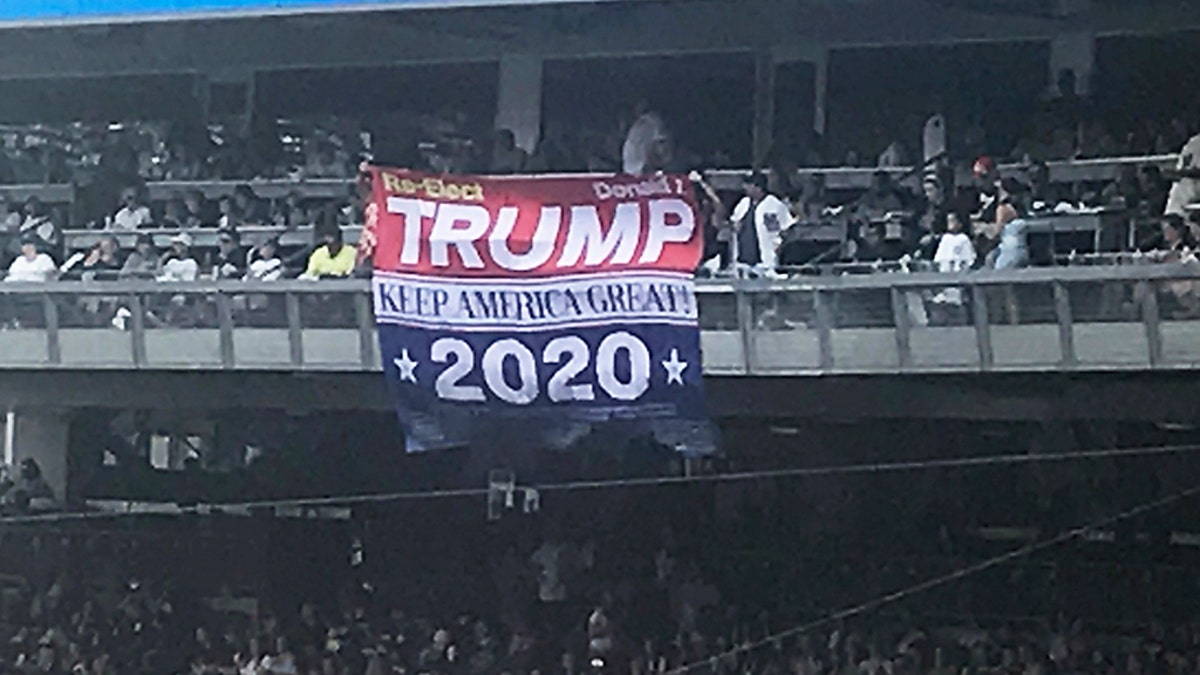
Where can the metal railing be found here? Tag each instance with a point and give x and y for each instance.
(1124, 317)
(838, 178)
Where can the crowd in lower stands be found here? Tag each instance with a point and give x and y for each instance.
(555, 607)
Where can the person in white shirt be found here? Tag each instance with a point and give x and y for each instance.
(179, 264)
(265, 264)
(955, 253)
(647, 146)
(760, 219)
(1186, 189)
(132, 215)
(32, 266)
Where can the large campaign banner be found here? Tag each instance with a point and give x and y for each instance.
(531, 310)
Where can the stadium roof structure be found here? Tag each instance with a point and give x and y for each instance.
(27, 13)
(299, 34)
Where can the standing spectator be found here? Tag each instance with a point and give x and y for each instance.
(1154, 189)
(1186, 189)
(647, 146)
(332, 258)
(718, 234)
(955, 253)
(143, 262)
(32, 266)
(933, 215)
(178, 264)
(229, 260)
(760, 219)
(10, 230)
(133, 214)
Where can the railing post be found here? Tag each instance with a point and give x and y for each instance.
(745, 319)
(137, 329)
(824, 328)
(983, 328)
(53, 344)
(365, 315)
(295, 329)
(225, 329)
(1066, 326)
(1151, 321)
(903, 325)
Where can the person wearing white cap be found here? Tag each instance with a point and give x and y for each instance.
(178, 264)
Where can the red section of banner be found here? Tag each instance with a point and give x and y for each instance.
(468, 226)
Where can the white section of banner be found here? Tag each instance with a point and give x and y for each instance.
(534, 304)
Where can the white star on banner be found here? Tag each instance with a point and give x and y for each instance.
(406, 366)
(675, 368)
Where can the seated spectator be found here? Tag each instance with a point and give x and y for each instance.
(38, 224)
(178, 264)
(133, 214)
(230, 218)
(103, 261)
(291, 213)
(249, 208)
(197, 211)
(332, 258)
(174, 215)
(507, 158)
(1012, 250)
(1176, 239)
(813, 200)
(229, 260)
(265, 263)
(29, 490)
(872, 245)
(325, 163)
(881, 199)
(32, 266)
(143, 262)
(1180, 299)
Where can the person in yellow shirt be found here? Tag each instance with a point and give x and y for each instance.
(332, 258)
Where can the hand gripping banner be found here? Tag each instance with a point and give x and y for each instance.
(533, 310)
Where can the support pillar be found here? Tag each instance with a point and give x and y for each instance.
(43, 435)
(764, 106)
(820, 92)
(519, 99)
(1074, 53)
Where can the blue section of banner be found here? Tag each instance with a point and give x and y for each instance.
(455, 387)
(13, 10)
